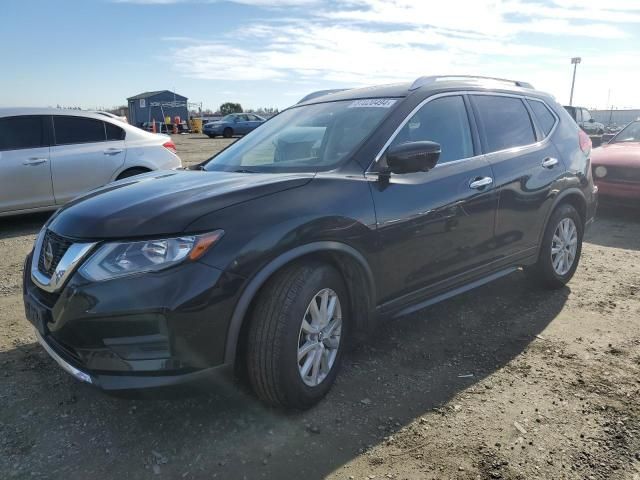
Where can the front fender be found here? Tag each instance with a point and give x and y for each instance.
(254, 285)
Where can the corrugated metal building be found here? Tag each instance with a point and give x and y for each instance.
(618, 117)
(149, 106)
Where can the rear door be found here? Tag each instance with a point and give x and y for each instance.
(254, 121)
(25, 169)
(242, 125)
(514, 133)
(82, 157)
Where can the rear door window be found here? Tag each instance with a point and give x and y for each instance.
(444, 121)
(69, 130)
(546, 120)
(504, 122)
(21, 132)
(114, 132)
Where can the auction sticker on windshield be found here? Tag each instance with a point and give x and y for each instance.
(373, 102)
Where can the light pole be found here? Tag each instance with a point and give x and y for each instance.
(574, 61)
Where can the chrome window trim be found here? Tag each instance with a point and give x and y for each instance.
(462, 93)
(66, 266)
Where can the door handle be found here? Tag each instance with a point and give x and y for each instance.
(112, 151)
(549, 162)
(481, 182)
(35, 161)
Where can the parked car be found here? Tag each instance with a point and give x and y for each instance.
(616, 166)
(49, 156)
(340, 212)
(233, 124)
(583, 118)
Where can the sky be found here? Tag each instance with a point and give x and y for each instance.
(270, 53)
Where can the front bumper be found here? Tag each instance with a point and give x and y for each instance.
(212, 131)
(146, 331)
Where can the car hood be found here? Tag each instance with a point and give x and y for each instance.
(213, 124)
(163, 203)
(623, 154)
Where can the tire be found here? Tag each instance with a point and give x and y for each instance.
(553, 271)
(276, 336)
(227, 133)
(211, 136)
(131, 172)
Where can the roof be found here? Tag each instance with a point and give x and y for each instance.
(14, 111)
(153, 94)
(422, 84)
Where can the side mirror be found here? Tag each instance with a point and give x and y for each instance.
(413, 157)
(591, 120)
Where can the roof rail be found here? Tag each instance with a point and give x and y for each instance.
(422, 81)
(320, 93)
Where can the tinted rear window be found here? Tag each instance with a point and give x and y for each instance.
(545, 118)
(21, 132)
(70, 130)
(504, 122)
(114, 132)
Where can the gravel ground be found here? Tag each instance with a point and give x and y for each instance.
(505, 382)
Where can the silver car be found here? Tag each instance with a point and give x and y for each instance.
(49, 156)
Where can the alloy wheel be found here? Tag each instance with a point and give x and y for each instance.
(319, 337)
(564, 246)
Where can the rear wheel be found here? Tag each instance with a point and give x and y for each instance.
(297, 335)
(227, 133)
(131, 172)
(561, 248)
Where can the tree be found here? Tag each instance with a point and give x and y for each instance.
(230, 107)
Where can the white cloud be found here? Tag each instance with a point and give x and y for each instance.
(364, 42)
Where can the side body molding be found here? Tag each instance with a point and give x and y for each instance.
(263, 275)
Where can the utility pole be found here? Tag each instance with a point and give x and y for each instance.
(574, 61)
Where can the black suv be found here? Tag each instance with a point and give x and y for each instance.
(346, 208)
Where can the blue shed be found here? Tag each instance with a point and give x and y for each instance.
(150, 106)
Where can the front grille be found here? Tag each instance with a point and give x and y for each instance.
(53, 245)
(623, 174)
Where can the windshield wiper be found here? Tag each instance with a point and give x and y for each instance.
(244, 170)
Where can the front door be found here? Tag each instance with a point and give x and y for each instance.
(438, 225)
(25, 169)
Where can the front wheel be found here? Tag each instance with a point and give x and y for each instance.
(297, 335)
(561, 248)
(227, 133)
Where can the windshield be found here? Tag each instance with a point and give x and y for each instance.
(308, 138)
(228, 118)
(630, 133)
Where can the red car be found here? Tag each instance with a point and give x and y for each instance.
(616, 166)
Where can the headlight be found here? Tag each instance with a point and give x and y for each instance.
(118, 259)
(600, 171)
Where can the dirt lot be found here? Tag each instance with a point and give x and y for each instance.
(505, 382)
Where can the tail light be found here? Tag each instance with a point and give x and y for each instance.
(169, 145)
(585, 142)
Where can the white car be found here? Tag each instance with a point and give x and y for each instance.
(49, 156)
